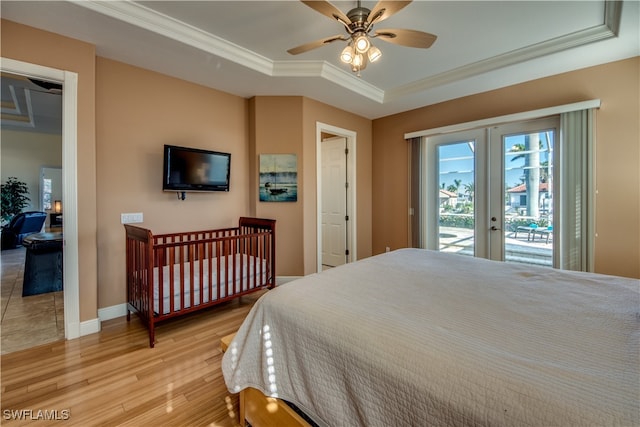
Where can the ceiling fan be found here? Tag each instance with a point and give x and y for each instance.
(49, 87)
(359, 23)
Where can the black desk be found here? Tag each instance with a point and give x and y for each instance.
(55, 220)
(43, 263)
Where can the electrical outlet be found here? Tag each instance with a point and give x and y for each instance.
(128, 218)
(387, 249)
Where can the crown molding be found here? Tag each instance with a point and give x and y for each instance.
(148, 19)
(350, 81)
(143, 17)
(606, 30)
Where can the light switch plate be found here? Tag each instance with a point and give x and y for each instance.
(129, 218)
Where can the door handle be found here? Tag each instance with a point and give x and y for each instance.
(494, 228)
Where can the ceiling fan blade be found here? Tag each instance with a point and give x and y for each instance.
(315, 44)
(327, 9)
(384, 9)
(410, 38)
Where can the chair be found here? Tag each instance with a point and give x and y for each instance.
(43, 263)
(21, 225)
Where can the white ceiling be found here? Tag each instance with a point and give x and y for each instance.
(31, 106)
(240, 47)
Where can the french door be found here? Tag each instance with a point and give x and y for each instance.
(489, 192)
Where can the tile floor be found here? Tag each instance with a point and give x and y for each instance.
(30, 321)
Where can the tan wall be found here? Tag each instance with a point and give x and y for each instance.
(126, 114)
(31, 45)
(277, 127)
(24, 154)
(287, 125)
(617, 247)
(138, 111)
(314, 112)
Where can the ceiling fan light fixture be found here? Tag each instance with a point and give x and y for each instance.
(358, 60)
(374, 54)
(347, 55)
(358, 23)
(361, 43)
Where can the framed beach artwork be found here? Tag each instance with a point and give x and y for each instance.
(278, 177)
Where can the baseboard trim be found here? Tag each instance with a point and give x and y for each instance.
(112, 312)
(89, 327)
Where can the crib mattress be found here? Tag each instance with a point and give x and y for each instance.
(250, 272)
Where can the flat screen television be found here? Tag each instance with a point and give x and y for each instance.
(193, 169)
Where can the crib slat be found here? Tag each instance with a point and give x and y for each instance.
(210, 270)
(260, 257)
(200, 284)
(172, 281)
(191, 284)
(234, 253)
(220, 283)
(241, 251)
(160, 262)
(254, 252)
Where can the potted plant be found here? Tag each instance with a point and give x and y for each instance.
(14, 198)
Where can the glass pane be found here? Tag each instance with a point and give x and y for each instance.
(456, 197)
(46, 194)
(528, 195)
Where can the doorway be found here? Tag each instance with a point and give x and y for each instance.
(335, 150)
(491, 192)
(69, 81)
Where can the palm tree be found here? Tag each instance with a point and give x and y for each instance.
(470, 189)
(455, 186)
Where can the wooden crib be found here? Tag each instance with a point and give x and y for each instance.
(170, 275)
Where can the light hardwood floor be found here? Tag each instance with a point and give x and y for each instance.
(26, 321)
(113, 378)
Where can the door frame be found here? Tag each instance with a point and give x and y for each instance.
(489, 181)
(351, 189)
(71, 280)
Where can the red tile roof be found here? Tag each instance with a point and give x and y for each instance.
(523, 188)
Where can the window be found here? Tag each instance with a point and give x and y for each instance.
(516, 192)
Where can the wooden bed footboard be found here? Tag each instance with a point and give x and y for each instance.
(261, 411)
(170, 275)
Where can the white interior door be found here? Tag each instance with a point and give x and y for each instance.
(334, 201)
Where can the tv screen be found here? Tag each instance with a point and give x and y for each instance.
(193, 169)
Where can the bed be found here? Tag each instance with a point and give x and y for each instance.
(416, 337)
(171, 275)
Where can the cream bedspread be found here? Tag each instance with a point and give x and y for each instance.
(417, 338)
